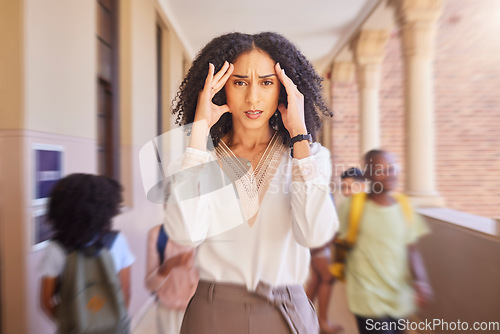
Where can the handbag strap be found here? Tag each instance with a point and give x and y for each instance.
(161, 243)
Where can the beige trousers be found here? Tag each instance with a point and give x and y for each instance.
(230, 308)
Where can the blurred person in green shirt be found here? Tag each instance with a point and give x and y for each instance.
(385, 275)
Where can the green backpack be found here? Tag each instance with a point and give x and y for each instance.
(91, 299)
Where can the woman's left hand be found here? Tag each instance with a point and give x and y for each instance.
(293, 115)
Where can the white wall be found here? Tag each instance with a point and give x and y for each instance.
(52, 100)
(60, 67)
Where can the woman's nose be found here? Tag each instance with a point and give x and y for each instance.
(252, 96)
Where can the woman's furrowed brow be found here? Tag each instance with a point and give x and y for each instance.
(260, 76)
(267, 76)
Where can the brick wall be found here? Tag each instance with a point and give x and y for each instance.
(392, 121)
(345, 152)
(467, 100)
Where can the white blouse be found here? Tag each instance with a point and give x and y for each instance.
(296, 213)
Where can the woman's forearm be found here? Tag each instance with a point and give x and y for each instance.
(199, 134)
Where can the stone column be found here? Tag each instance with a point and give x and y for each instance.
(15, 220)
(418, 25)
(369, 53)
(343, 72)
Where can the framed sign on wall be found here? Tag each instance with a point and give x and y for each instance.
(42, 230)
(48, 169)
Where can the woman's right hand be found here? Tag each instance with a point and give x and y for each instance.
(182, 259)
(206, 110)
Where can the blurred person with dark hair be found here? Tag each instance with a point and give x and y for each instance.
(352, 181)
(320, 285)
(80, 210)
(385, 276)
(259, 99)
(320, 281)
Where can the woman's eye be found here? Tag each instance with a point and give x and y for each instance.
(267, 83)
(239, 83)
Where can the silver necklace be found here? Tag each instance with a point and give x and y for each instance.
(250, 162)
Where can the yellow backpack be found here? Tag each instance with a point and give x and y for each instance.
(343, 246)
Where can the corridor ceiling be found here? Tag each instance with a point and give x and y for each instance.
(320, 28)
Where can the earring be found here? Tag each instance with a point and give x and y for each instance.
(274, 121)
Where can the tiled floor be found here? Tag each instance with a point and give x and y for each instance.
(338, 312)
(147, 325)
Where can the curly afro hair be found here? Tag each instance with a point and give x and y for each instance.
(229, 47)
(81, 208)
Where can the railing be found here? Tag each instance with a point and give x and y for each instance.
(464, 270)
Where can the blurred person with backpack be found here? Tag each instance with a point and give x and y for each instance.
(171, 276)
(352, 182)
(378, 236)
(320, 282)
(85, 285)
(320, 285)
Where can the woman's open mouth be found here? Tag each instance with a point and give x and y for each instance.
(253, 114)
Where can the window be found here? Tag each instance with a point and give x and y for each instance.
(107, 85)
(159, 80)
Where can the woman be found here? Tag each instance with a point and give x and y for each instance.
(259, 103)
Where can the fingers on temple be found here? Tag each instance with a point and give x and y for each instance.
(210, 75)
(221, 72)
(223, 79)
(286, 81)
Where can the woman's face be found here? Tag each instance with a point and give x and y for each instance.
(253, 89)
